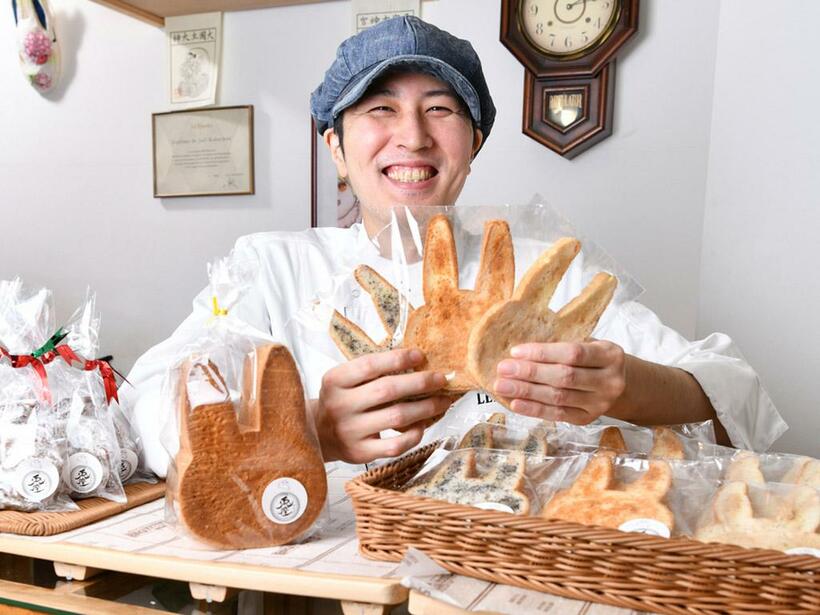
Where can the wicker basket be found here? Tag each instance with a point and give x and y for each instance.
(588, 563)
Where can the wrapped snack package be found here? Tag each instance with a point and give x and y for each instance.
(33, 447)
(686, 439)
(82, 338)
(491, 479)
(765, 516)
(658, 496)
(72, 392)
(247, 469)
(93, 462)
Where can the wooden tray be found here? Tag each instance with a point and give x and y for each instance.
(92, 509)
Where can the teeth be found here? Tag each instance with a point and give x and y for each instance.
(410, 174)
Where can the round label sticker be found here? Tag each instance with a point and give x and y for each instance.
(803, 551)
(646, 526)
(128, 464)
(284, 500)
(84, 472)
(37, 479)
(494, 506)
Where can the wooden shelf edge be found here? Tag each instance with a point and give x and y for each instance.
(240, 576)
(133, 11)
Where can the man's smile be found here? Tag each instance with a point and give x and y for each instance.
(410, 174)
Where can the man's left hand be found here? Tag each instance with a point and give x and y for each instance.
(563, 381)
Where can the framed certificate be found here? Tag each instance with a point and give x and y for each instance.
(203, 152)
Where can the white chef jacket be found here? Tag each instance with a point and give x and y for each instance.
(302, 274)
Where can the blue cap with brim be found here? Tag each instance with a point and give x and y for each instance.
(363, 58)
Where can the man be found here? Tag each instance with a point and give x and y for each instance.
(404, 109)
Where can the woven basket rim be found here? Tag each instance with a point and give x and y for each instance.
(362, 487)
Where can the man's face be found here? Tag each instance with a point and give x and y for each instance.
(406, 142)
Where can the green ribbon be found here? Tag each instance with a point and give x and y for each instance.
(51, 344)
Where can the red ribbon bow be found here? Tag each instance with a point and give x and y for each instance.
(71, 358)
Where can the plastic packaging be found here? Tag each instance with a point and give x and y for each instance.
(70, 392)
(247, 469)
(765, 516)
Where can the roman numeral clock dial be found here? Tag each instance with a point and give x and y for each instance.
(568, 49)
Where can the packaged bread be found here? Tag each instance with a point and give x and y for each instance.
(246, 468)
(597, 497)
(253, 477)
(442, 325)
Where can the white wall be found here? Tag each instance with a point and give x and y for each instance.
(762, 224)
(76, 205)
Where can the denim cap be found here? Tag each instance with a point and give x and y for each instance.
(362, 58)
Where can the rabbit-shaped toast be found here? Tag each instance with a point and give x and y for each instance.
(232, 471)
(441, 327)
(526, 317)
(596, 499)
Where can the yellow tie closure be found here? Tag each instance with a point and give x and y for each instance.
(218, 311)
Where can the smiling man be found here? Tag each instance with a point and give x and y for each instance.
(404, 108)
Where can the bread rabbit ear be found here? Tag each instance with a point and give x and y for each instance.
(496, 272)
(579, 317)
(745, 467)
(595, 477)
(654, 483)
(349, 338)
(440, 260)
(666, 444)
(613, 439)
(272, 393)
(542, 278)
(732, 505)
(204, 425)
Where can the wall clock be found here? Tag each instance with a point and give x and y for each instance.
(568, 49)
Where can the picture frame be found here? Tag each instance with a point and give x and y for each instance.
(203, 152)
(332, 202)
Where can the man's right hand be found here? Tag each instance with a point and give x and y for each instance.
(365, 396)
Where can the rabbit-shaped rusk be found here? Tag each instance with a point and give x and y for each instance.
(526, 317)
(254, 479)
(441, 327)
(455, 480)
(734, 522)
(348, 336)
(745, 467)
(596, 499)
(481, 436)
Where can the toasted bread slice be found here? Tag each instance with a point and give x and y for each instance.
(442, 326)
(527, 317)
(348, 336)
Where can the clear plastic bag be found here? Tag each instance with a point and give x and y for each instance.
(751, 467)
(367, 309)
(26, 317)
(82, 338)
(33, 448)
(490, 479)
(687, 442)
(93, 454)
(661, 497)
(764, 516)
(247, 469)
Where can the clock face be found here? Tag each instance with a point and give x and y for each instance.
(564, 28)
